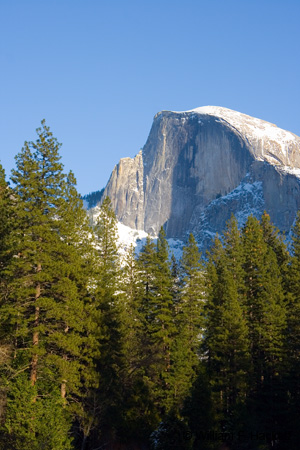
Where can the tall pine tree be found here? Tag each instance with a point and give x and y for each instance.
(266, 319)
(189, 322)
(157, 310)
(43, 312)
(107, 300)
(292, 340)
(226, 342)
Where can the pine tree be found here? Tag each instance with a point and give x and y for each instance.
(176, 280)
(292, 340)
(147, 268)
(163, 326)
(6, 227)
(137, 411)
(189, 322)
(131, 316)
(6, 221)
(226, 343)
(157, 311)
(46, 281)
(107, 298)
(192, 294)
(234, 255)
(199, 411)
(264, 298)
(109, 263)
(266, 319)
(274, 240)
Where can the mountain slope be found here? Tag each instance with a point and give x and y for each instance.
(200, 166)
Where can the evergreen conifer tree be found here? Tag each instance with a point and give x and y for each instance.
(234, 255)
(189, 322)
(192, 294)
(266, 318)
(292, 340)
(264, 298)
(6, 250)
(43, 312)
(226, 343)
(6, 219)
(157, 309)
(138, 412)
(163, 326)
(274, 240)
(110, 364)
(131, 316)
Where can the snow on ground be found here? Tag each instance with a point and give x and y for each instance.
(291, 171)
(176, 246)
(127, 237)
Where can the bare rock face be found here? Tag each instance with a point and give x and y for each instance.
(125, 189)
(199, 167)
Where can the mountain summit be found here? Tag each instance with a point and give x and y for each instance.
(200, 166)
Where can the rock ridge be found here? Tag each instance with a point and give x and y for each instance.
(200, 166)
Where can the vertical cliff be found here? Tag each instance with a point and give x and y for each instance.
(199, 167)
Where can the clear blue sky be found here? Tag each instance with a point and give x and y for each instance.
(99, 70)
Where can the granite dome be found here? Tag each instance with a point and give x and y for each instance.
(200, 166)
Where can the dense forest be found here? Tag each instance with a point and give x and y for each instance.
(144, 352)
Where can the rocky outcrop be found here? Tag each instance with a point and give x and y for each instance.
(125, 189)
(200, 166)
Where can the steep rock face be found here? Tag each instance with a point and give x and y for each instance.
(200, 166)
(125, 189)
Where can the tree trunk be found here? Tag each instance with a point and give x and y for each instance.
(35, 338)
(83, 442)
(63, 389)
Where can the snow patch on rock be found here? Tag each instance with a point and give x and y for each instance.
(268, 142)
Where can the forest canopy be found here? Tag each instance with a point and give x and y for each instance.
(143, 352)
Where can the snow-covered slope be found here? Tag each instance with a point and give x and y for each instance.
(127, 237)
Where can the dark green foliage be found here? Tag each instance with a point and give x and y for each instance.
(107, 301)
(264, 301)
(266, 318)
(226, 339)
(157, 316)
(292, 341)
(274, 240)
(199, 411)
(6, 252)
(171, 434)
(44, 288)
(190, 310)
(6, 220)
(35, 423)
(138, 412)
(93, 198)
(189, 322)
(243, 341)
(95, 352)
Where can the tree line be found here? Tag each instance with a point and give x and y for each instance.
(145, 352)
